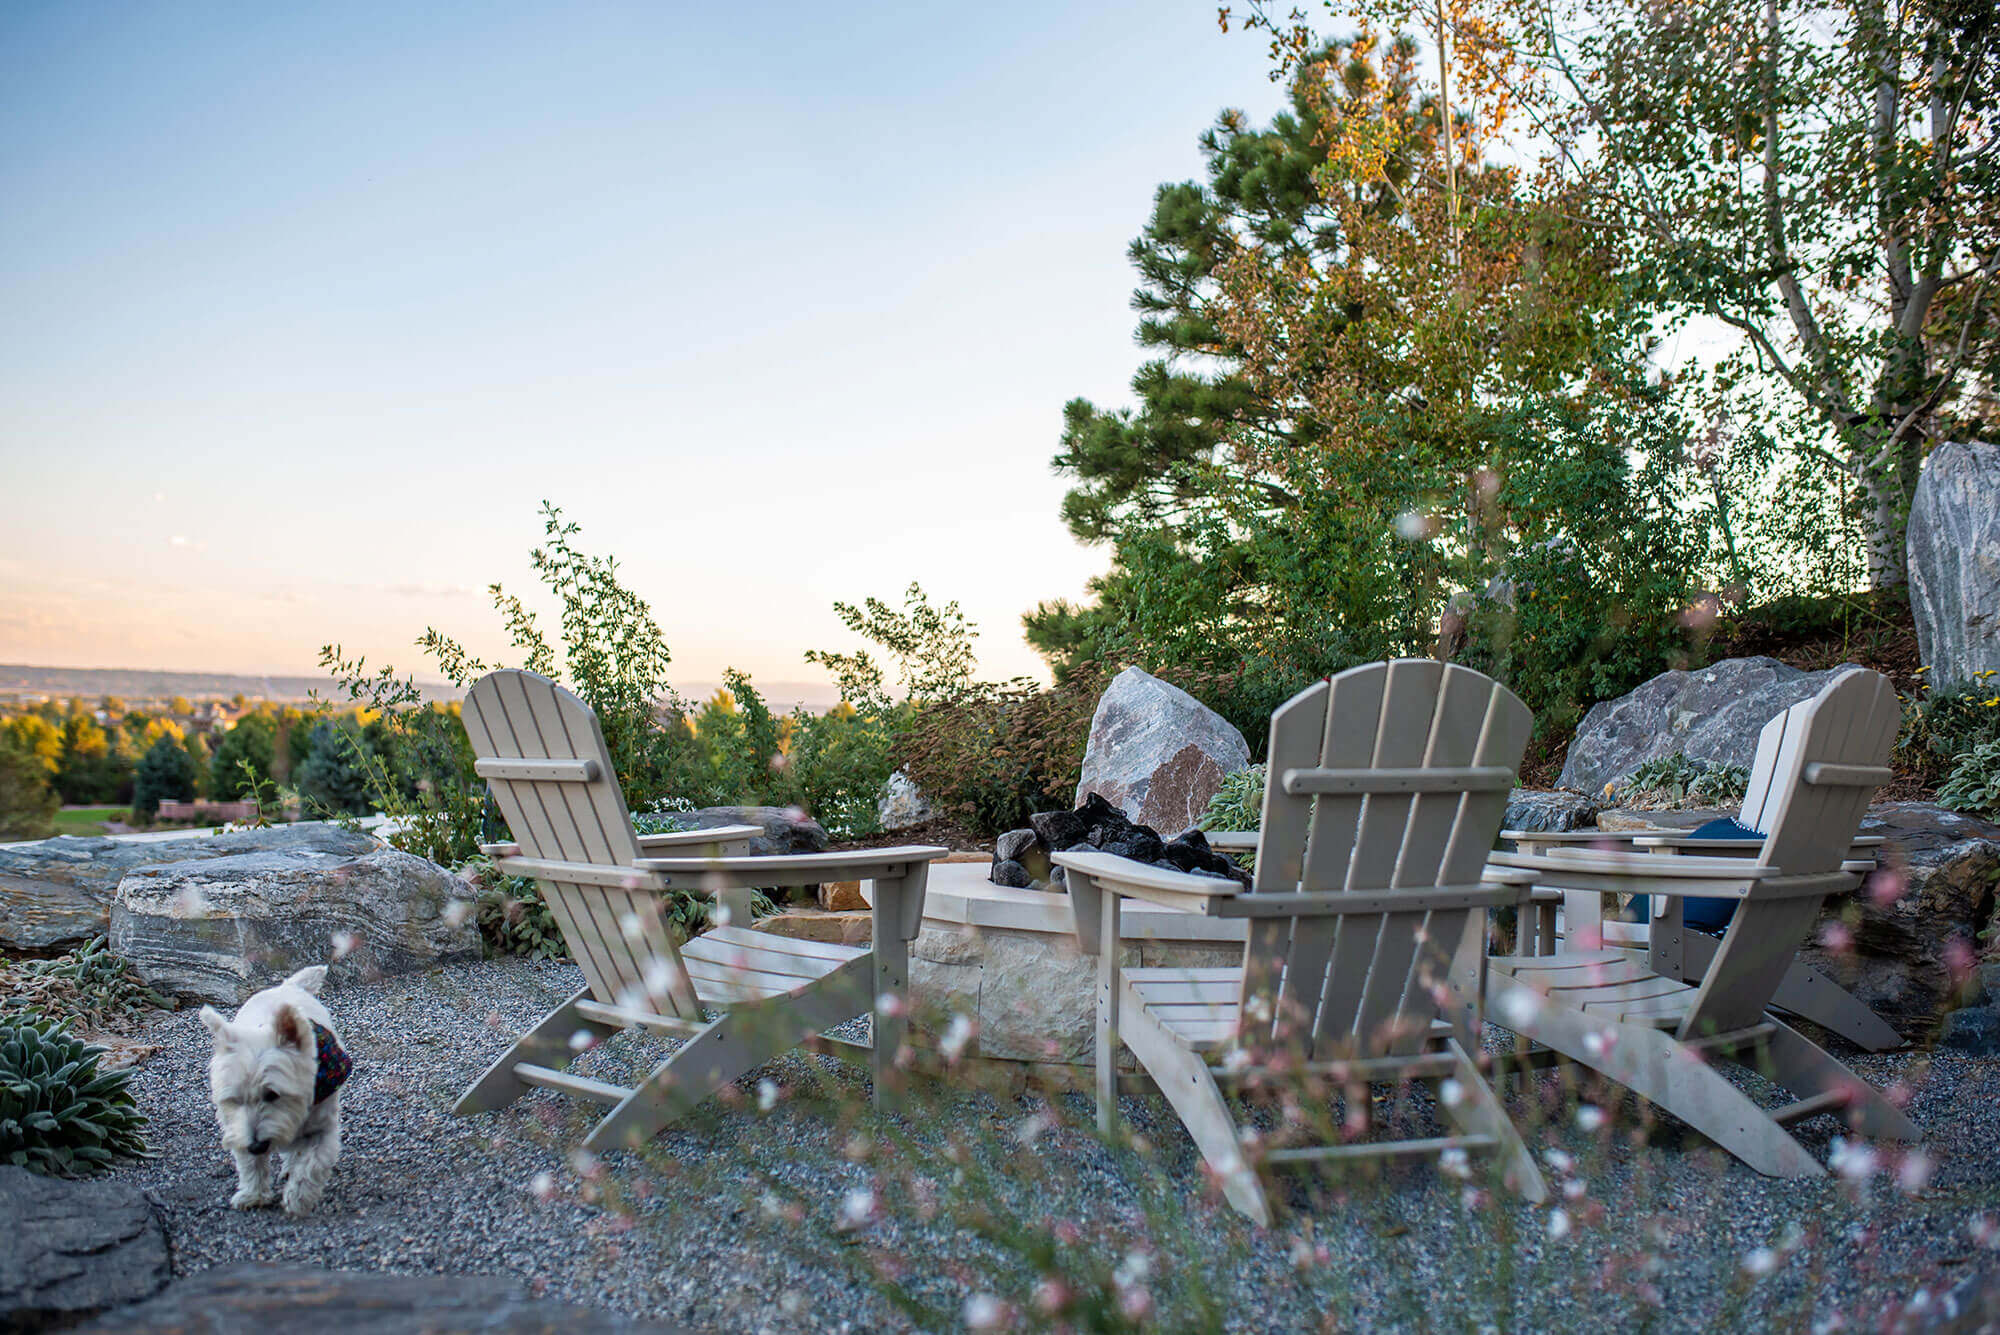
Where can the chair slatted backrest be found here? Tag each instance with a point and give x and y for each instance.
(562, 803)
(1369, 982)
(1760, 795)
(1831, 755)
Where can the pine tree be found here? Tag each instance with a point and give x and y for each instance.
(166, 771)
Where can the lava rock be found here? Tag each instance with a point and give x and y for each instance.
(1974, 1030)
(1010, 846)
(1061, 829)
(75, 1248)
(1010, 873)
(1543, 810)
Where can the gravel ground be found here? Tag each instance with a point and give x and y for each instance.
(736, 1223)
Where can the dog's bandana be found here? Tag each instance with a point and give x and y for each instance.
(334, 1064)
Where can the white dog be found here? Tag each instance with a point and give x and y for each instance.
(275, 1079)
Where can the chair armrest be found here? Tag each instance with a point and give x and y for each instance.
(733, 839)
(1587, 838)
(1156, 885)
(1639, 873)
(1232, 841)
(858, 864)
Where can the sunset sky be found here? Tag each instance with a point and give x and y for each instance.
(303, 311)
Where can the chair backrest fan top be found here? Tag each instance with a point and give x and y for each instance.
(1387, 777)
(544, 758)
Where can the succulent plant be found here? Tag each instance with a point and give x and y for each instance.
(90, 984)
(59, 1114)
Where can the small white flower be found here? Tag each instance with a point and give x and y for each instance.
(1589, 1117)
(1558, 1160)
(1032, 1127)
(1236, 1061)
(1914, 1173)
(1599, 1041)
(459, 912)
(1760, 1261)
(957, 1034)
(889, 1005)
(1985, 1231)
(720, 916)
(343, 944)
(1450, 1093)
(581, 1040)
(1574, 1189)
(1454, 1163)
(1558, 1224)
(583, 1163)
(1518, 1006)
(542, 1185)
(985, 1312)
(631, 925)
(857, 1208)
(660, 976)
(1137, 1265)
(767, 1095)
(1852, 1160)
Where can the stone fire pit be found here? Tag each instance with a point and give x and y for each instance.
(1006, 957)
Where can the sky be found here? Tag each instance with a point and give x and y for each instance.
(304, 310)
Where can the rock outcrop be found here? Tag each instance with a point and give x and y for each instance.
(1157, 753)
(75, 1248)
(57, 894)
(222, 928)
(1954, 558)
(1714, 715)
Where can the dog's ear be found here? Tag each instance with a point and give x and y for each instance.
(292, 1030)
(217, 1026)
(308, 980)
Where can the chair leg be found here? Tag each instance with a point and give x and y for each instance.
(547, 1044)
(1658, 1067)
(1807, 993)
(744, 1039)
(1185, 1080)
(1478, 1112)
(1801, 1066)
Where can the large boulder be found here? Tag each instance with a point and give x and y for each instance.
(305, 1300)
(222, 928)
(75, 1248)
(1544, 809)
(57, 893)
(1915, 932)
(1157, 753)
(1714, 715)
(902, 804)
(1954, 557)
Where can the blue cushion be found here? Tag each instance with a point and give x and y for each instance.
(1712, 915)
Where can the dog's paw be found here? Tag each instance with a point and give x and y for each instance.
(251, 1198)
(301, 1197)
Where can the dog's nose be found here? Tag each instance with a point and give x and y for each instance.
(260, 1146)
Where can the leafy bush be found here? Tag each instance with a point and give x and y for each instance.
(90, 984)
(1940, 726)
(1679, 780)
(417, 766)
(1238, 804)
(1974, 783)
(1001, 751)
(58, 1113)
(513, 918)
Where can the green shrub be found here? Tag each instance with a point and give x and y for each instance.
(1679, 780)
(89, 984)
(28, 802)
(1974, 783)
(58, 1113)
(1940, 726)
(165, 771)
(1238, 804)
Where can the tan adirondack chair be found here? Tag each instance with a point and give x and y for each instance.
(1672, 949)
(543, 756)
(1388, 783)
(1661, 1037)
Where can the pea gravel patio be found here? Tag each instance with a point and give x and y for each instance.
(684, 1237)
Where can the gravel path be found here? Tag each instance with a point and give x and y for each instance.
(736, 1224)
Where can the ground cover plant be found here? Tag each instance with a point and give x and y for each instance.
(59, 1113)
